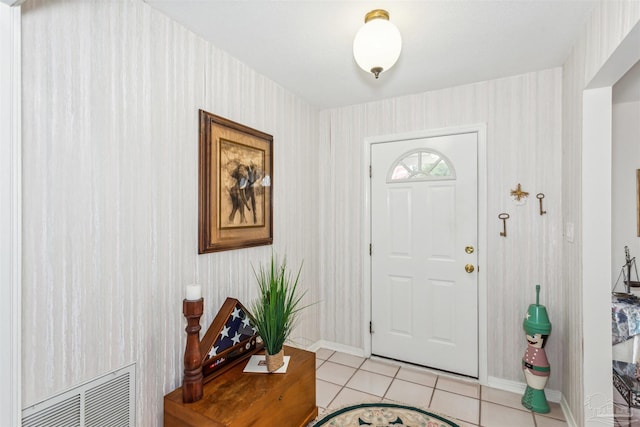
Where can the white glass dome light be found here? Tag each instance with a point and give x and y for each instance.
(378, 43)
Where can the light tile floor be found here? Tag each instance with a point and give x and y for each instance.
(343, 379)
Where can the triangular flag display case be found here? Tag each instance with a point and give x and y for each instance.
(229, 340)
(233, 398)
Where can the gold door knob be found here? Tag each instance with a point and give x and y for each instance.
(469, 268)
(469, 249)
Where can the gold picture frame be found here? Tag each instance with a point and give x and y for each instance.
(234, 179)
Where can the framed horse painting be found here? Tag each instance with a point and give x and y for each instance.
(234, 180)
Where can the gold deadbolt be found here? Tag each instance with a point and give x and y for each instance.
(469, 249)
(469, 268)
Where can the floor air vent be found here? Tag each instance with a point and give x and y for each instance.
(107, 401)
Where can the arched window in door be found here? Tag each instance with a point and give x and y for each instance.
(421, 165)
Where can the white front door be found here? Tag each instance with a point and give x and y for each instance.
(424, 235)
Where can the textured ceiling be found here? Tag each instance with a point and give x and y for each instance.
(306, 46)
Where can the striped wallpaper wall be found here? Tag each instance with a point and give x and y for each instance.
(111, 97)
(523, 116)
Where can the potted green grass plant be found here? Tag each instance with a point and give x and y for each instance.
(274, 313)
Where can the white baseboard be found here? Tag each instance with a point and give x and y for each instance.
(519, 387)
(355, 351)
(568, 415)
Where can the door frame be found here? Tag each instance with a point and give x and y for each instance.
(596, 227)
(481, 131)
(10, 214)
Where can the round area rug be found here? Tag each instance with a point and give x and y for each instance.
(383, 415)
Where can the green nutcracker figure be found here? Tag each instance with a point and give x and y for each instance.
(534, 363)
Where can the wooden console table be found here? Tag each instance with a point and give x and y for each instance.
(238, 399)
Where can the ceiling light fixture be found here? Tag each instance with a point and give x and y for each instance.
(378, 43)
